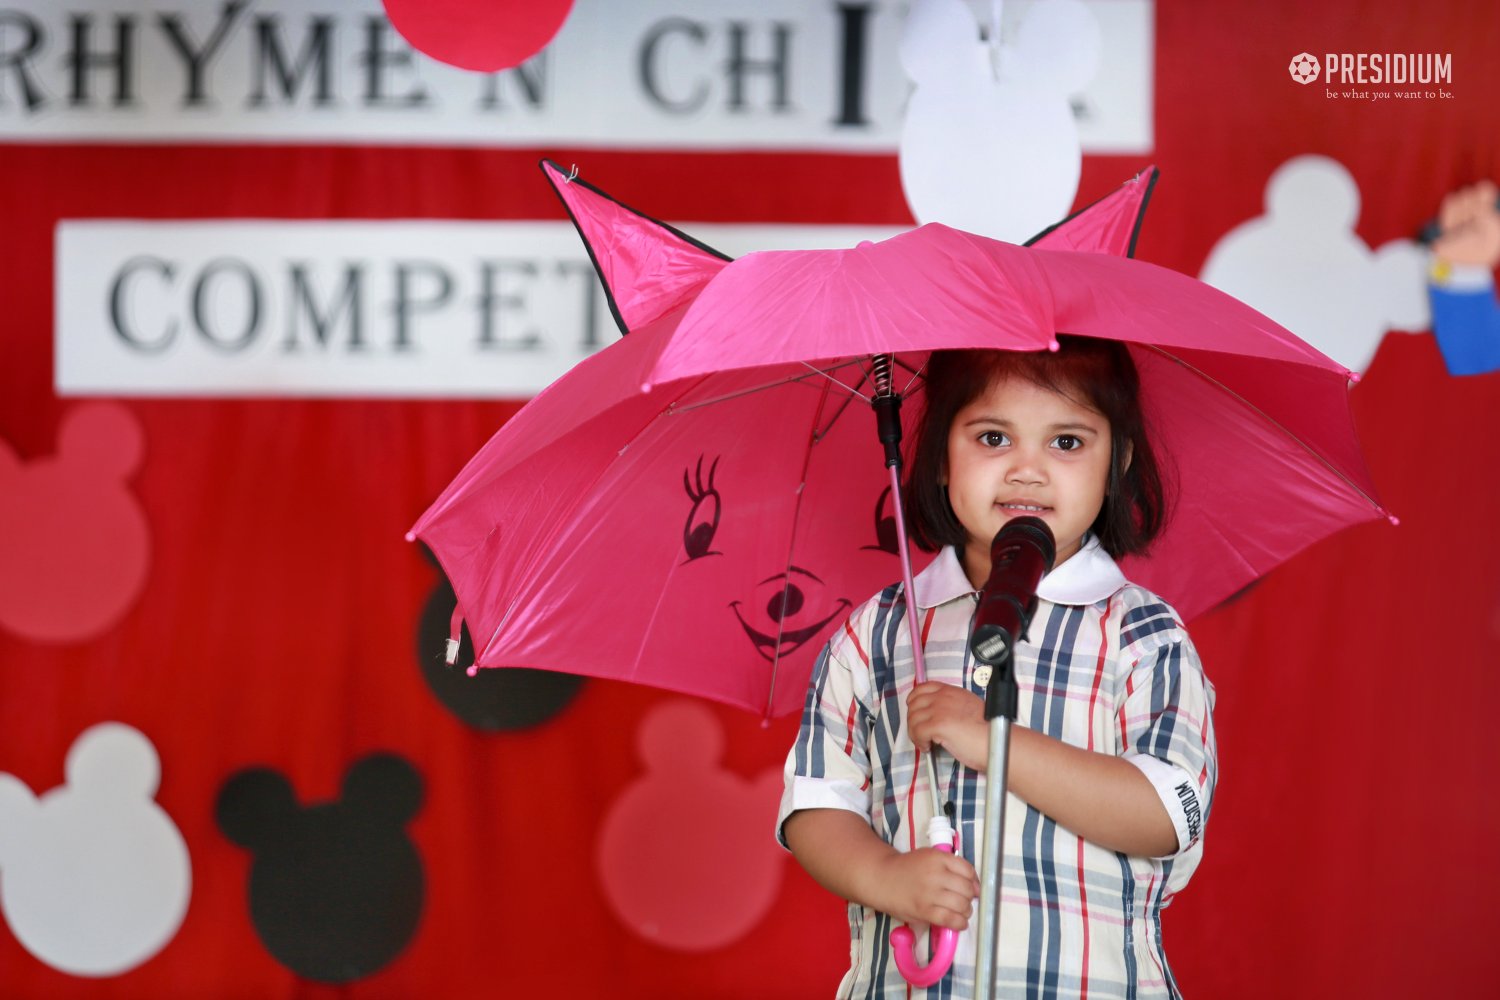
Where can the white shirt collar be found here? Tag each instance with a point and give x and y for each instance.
(1087, 578)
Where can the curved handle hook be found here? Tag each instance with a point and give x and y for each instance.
(943, 940)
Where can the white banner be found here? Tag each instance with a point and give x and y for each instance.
(767, 74)
(346, 309)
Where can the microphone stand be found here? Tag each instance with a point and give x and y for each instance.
(1000, 700)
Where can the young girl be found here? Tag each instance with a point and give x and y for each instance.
(1112, 758)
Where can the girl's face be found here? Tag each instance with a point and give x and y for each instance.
(1017, 450)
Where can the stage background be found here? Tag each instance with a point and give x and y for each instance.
(276, 622)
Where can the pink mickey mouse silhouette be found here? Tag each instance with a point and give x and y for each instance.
(685, 856)
(989, 143)
(74, 543)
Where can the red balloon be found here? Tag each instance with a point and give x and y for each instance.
(482, 35)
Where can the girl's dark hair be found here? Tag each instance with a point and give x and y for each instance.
(1098, 374)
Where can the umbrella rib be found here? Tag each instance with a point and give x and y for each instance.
(789, 380)
(791, 549)
(545, 549)
(1272, 421)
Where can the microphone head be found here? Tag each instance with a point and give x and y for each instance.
(1020, 530)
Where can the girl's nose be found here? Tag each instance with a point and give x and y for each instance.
(1025, 467)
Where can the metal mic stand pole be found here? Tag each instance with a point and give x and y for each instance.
(1000, 700)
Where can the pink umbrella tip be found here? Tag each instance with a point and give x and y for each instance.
(1393, 519)
(1353, 377)
(411, 536)
(864, 245)
(1053, 345)
(473, 670)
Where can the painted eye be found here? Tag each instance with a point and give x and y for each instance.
(703, 518)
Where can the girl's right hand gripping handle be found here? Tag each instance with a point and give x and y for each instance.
(944, 940)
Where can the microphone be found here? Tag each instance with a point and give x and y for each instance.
(1022, 551)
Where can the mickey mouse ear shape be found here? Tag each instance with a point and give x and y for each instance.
(384, 785)
(1109, 225)
(256, 805)
(648, 268)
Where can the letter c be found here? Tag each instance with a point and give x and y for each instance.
(117, 309)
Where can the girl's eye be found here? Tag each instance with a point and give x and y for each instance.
(1068, 442)
(993, 439)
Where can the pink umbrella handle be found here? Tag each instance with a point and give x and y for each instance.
(943, 940)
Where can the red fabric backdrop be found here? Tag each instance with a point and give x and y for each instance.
(1348, 850)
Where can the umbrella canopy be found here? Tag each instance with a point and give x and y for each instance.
(698, 506)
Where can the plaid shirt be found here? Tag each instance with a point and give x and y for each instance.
(1108, 667)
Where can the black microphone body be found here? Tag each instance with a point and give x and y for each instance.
(1022, 551)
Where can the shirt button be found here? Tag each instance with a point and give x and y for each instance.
(982, 676)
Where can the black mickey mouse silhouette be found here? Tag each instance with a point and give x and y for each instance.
(492, 700)
(336, 888)
(703, 518)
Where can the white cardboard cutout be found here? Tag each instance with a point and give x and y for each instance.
(989, 143)
(1303, 265)
(94, 876)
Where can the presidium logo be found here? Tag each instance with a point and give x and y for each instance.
(1304, 67)
(1399, 68)
(1396, 76)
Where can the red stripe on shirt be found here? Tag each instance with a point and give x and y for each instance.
(849, 726)
(1129, 688)
(1099, 669)
(1083, 902)
(1151, 946)
(849, 631)
(911, 793)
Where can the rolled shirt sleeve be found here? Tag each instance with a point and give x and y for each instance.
(1167, 733)
(829, 765)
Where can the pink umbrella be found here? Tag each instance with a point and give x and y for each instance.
(697, 506)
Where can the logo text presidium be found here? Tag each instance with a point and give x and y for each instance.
(1388, 67)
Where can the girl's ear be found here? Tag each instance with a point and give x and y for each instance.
(1129, 454)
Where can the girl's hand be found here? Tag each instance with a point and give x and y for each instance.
(952, 718)
(926, 886)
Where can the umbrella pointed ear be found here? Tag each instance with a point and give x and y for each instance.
(648, 268)
(1109, 225)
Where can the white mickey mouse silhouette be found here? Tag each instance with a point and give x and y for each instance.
(683, 856)
(74, 543)
(1303, 265)
(989, 143)
(94, 876)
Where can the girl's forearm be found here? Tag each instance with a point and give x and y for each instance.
(840, 851)
(1100, 797)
